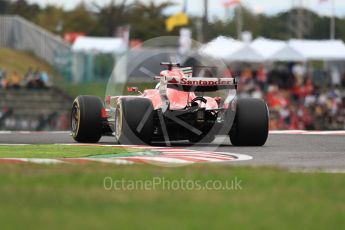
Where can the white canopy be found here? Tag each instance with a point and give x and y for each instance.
(230, 49)
(276, 50)
(319, 49)
(287, 53)
(98, 44)
(263, 49)
(267, 47)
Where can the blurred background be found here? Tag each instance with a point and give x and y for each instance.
(291, 53)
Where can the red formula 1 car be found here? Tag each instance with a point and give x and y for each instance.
(181, 107)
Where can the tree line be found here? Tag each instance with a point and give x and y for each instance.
(147, 20)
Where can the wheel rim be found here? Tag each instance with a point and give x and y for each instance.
(118, 123)
(75, 119)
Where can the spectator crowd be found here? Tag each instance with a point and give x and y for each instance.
(298, 97)
(32, 79)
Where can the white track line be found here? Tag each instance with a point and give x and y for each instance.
(298, 132)
(158, 159)
(181, 152)
(35, 132)
(332, 171)
(239, 157)
(220, 157)
(286, 132)
(14, 144)
(34, 160)
(117, 161)
(5, 132)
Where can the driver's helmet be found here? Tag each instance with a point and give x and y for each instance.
(175, 72)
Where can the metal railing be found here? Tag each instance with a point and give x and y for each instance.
(20, 34)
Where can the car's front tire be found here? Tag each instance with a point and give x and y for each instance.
(250, 127)
(86, 119)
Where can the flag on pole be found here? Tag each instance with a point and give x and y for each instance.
(185, 4)
(179, 19)
(230, 3)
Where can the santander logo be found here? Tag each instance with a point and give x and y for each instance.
(173, 81)
(202, 81)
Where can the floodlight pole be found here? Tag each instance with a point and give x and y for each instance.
(332, 21)
(205, 21)
(300, 20)
(239, 21)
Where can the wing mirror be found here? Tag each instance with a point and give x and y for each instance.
(132, 89)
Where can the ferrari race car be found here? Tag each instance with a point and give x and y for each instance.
(180, 107)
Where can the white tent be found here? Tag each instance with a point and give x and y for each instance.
(98, 44)
(276, 50)
(287, 53)
(267, 47)
(263, 49)
(319, 49)
(230, 49)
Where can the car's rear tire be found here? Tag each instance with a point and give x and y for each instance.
(250, 127)
(134, 121)
(86, 119)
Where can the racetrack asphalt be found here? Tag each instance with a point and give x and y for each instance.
(293, 151)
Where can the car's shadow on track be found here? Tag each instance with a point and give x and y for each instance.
(187, 144)
(178, 144)
(208, 145)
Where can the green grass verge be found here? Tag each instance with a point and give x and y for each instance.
(73, 197)
(19, 61)
(96, 89)
(99, 88)
(58, 151)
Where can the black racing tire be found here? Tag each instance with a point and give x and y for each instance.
(86, 119)
(134, 121)
(250, 127)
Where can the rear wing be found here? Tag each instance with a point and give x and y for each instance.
(198, 84)
(170, 65)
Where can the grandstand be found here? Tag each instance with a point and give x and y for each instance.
(37, 110)
(24, 108)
